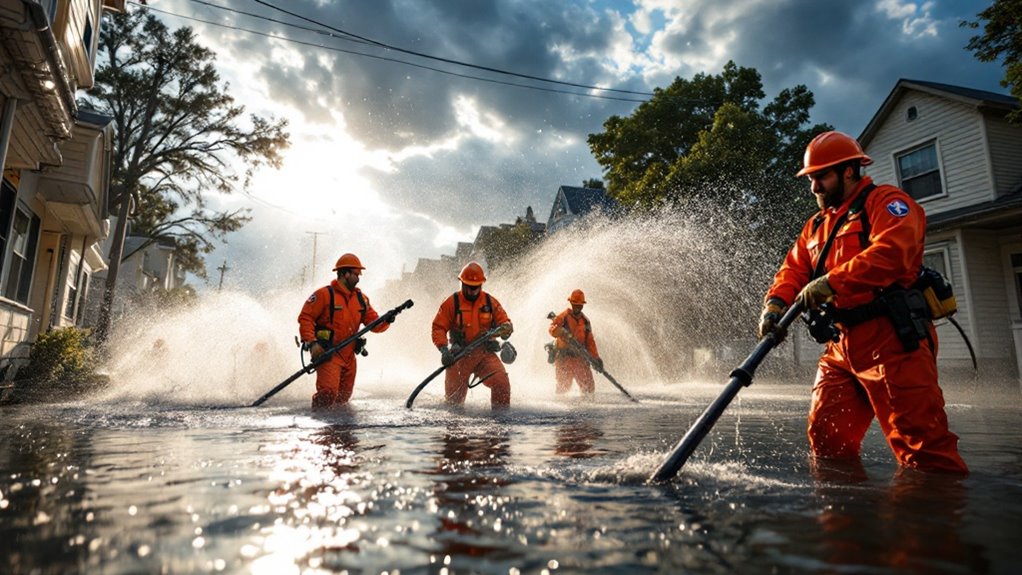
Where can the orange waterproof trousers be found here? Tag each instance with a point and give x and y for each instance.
(484, 364)
(335, 380)
(869, 374)
(568, 368)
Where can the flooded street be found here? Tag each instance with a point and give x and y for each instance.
(128, 486)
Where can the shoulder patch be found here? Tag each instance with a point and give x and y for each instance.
(898, 208)
(312, 299)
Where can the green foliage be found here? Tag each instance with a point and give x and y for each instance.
(62, 363)
(179, 134)
(706, 141)
(506, 244)
(1001, 38)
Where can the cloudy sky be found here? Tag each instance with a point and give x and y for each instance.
(397, 154)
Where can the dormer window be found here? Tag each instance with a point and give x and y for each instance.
(911, 114)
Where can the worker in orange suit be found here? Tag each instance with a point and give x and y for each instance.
(462, 318)
(875, 364)
(572, 329)
(332, 314)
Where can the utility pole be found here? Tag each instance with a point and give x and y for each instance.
(315, 235)
(223, 269)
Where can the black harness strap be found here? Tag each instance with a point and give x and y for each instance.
(361, 303)
(859, 205)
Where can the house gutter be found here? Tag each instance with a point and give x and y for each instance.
(42, 27)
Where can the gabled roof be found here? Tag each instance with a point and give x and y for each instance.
(581, 201)
(968, 96)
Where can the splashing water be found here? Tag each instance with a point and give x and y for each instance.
(657, 288)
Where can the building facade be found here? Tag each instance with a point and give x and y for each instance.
(952, 149)
(56, 168)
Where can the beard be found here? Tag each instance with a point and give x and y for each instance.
(831, 198)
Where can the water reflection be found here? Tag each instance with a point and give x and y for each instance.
(470, 477)
(913, 524)
(44, 498)
(575, 439)
(320, 498)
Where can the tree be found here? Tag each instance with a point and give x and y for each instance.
(1002, 37)
(595, 183)
(505, 244)
(707, 141)
(179, 137)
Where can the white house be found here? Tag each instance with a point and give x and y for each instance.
(55, 157)
(952, 149)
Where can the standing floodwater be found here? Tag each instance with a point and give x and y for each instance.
(129, 487)
(168, 471)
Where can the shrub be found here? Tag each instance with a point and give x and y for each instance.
(62, 363)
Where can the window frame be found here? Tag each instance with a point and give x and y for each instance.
(928, 143)
(22, 289)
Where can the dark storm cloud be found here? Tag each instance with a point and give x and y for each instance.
(849, 53)
(861, 50)
(390, 104)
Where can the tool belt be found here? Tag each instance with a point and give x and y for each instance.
(907, 309)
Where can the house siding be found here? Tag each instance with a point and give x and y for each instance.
(1005, 154)
(987, 295)
(953, 350)
(962, 152)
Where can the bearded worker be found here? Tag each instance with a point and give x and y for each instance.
(463, 317)
(881, 348)
(332, 314)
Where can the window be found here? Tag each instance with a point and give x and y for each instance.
(1016, 269)
(938, 260)
(7, 197)
(919, 172)
(87, 37)
(23, 240)
(73, 277)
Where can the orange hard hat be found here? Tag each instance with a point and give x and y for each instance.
(472, 274)
(348, 261)
(577, 297)
(830, 149)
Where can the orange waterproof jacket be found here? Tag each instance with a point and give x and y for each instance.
(475, 318)
(347, 317)
(579, 328)
(894, 251)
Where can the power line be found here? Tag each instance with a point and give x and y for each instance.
(386, 59)
(366, 40)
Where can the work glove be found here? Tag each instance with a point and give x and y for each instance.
(390, 316)
(598, 364)
(315, 350)
(505, 330)
(446, 356)
(816, 293)
(772, 313)
(563, 333)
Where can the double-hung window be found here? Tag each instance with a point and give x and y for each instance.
(22, 241)
(919, 172)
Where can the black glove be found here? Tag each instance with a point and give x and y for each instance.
(447, 356)
(390, 316)
(772, 313)
(598, 364)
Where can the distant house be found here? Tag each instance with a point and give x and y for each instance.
(952, 149)
(56, 158)
(572, 203)
(147, 266)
